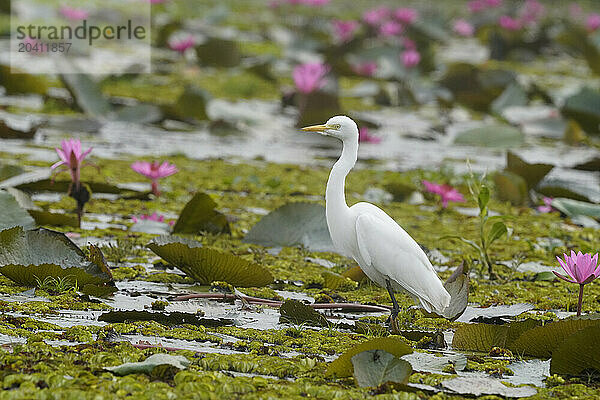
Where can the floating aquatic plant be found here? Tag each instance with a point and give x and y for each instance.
(309, 77)
(181, 44)
(581, 269)
(446, 192)
(365, 137)
(155, 171)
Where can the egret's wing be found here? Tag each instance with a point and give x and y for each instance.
(384, 245)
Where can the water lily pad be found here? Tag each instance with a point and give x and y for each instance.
(199, 215)
(511, 187)
(478, 386)
(47, 218)
(169, 318)
(191, 104)
(17, 128)
(504, 136)
(9, 170)
(316, 107)
(513, 95)
(152, 227)
(584, 107)
(542, 341)
(15, 82)
(482, 337)
(355, 273)
(579, 354)
(373, 368)
(46, 185)
(342, 366)
(293, 224)
(148, 365)
(574, 208)
(494, 312)
(139, 113)
(218, 52)
(570, 189)
(87, 94)
(335, 281)
(25, 255)
(531, 173)
(435, 363)
(208, 265)
(296, 312)
(11, 213)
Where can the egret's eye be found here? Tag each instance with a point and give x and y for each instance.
(337, 126)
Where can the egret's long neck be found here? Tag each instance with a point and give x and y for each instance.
(335, 197)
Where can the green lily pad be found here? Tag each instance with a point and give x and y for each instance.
(543, 340)
(580, 191)
(191, 104)
(169, 318)
(11, 213)
(27, 255)
(335, 281)
(457, 286)
(296, 312)
(511, 187)
(482, 337)
(219, 52)
(513, 95)
(579, 354)
(373, 368)
(16, 129)
(152, 227)
(342, 366)
(531, 173)
(316, 107)
(46, 185)
(584, 107)
(478, 386)
(199, 215)
(139, 113)
(15, 82)
(206, 265)
(573, 208)
(294, 224)
(503, 136)
(9, 170)
(47, 218)
(148, 365)
(87, 94)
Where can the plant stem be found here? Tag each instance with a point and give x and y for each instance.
(581, 285)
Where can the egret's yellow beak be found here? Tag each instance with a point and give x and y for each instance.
(316, 128)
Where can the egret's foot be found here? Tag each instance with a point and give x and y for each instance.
(392, 323)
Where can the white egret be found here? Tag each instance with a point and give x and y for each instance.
(385, 252)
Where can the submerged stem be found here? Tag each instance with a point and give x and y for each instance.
(581, 285)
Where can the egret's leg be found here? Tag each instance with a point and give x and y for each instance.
(396, 307)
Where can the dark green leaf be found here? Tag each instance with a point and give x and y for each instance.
(573, 208)
(497, 231)
(15, 82)
(513, 95)
(504, 136)
(148, 365)
(511, 187)
(165, 318)
(190, 105)
(532, 173)
(291, 225)
(11, 213)
(335, 281)
(584, 107)
(482, 337)
(199, 215)
(484, 197)
(218, 52)
(46, 218)
(373, 368)
(296, 312)
(578, 354)
(87, 94)
(208, 265)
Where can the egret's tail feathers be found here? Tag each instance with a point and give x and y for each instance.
(437, 303)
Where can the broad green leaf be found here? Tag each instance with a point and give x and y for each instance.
(291, 225)
(191, 104)
(342, 366)
(484, 197)
(11, 213)
(148, 365)
(139, 113)
(165, 318)
(199, 215)
(316, 107)
(218, 52)
(531, 173)
(373, 368)
(578, 354)
(573, 208)
(511, 187)
(482, 337)
(335, 281)
(296, 312)
(46, 218)
(584, 107)
(46, 185)
(15, 82)
(504, 136)
(544, 340)
(27, 255)
(496, 232)
(570, 189)
(87, 94)
(9, 170)
(513, 95)
(208, 265)
(355, 273)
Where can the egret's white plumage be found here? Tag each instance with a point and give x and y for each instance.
(384, 251)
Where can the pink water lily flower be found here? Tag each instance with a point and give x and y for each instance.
(509, 23)
(367, 68)
(592, 22)
(411, 58)
(391, 28)
(406, 15)
(71, 159)
(463, 28)
(476, 6)
(376, 16)
(547, 207)
(344, 30)
(581, 269)
(182, 44)
(532, 11)
(74, 14)
(365, 137)
(446, 192)
(310, 76)
(153, 217)
(154, 170)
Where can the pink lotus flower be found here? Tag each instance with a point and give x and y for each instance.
(446, 192)
(409, 44)
(344, 30)
(509, 23)
(367, 68)
(532, 11)
(154, 170)
(310, 77)
(581, 269)
(376, 16)
(406, 15)
(547, 207)
(74, 14)
(391, 28)
(411, 58)
(463, 28)
(476, 6)
(153, 217)
(71, 159)
(593, 22)
(182, 44)
(366, 137)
